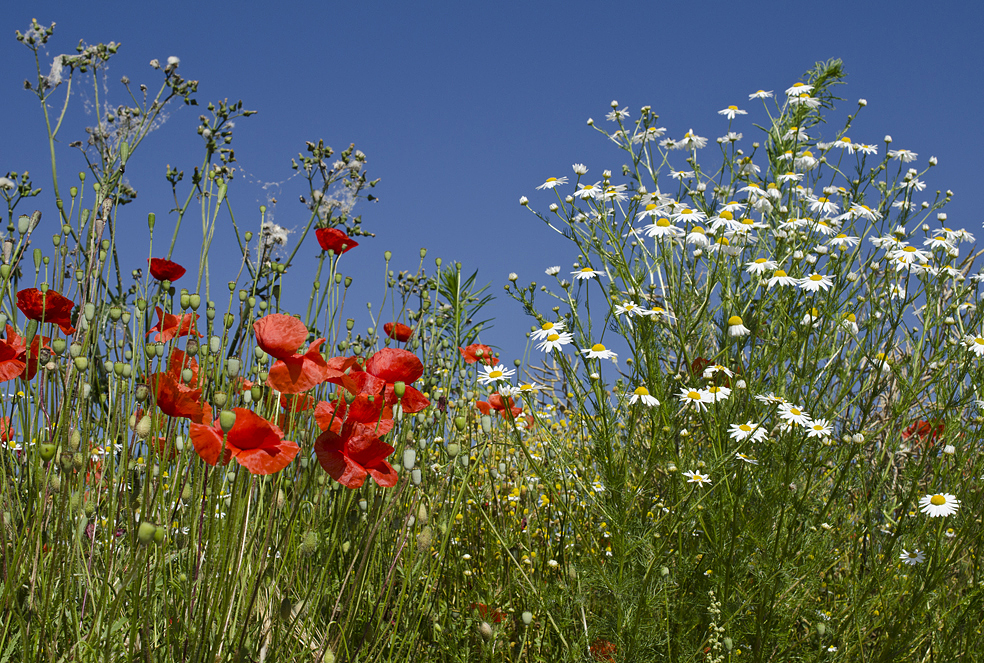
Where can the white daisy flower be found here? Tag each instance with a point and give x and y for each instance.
(905, 156)
(630, 309)
(912, 558)
(491, 374)
(586, 273)
(552, 271)
(815, 282)
(579, 169)
(794, 414)
(975, 344)
(940, 504)
(695, 398)
(761, 94)
(552, 182)
(697, 478)
(742, 457)
(663, 228)
(599, 351)
(736, 327)
(715, 393)
(555, 341)
(546, 329)
(760, 265)
(641, 394)
(798, 89)
(731, 111)
(781, 278)
(589, 191)
(819, 428)
(748, 430)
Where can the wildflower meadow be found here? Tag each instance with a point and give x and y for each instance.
(745, 427)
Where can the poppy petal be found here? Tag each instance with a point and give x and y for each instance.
(395, 365)
(280, 335)
(208, 443)
(268, 460)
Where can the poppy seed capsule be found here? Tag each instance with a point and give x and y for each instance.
(460, 423)
(227, 419)
(145, 532)
(527, 618)
(191, 347)
(399, 388)
(48, 452)
(453, 450)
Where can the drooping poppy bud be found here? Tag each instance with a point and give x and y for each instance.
(165, 270)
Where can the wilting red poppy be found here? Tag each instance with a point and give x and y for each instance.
(478, 352)
(349, 455)
(398, 331)
(924, 432)
(254, 442)
(333, 239)
(165, 270)
(281, 336)
(387, 367)
(603, 650)
(47, 307)
(171, 326)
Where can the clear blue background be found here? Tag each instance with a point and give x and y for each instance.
(464, 107)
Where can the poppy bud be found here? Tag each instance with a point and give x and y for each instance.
(89, 311)
(23, 223)
(185, 300)
(486, 423)
(527, 618)
(229, 320)
(145, 532)
(309, 544)
(142, 429)
(214, 344)
(227, 419)
(485, 630)
(186, 493)
(424, 539)
(453, 450)
(186, 375)
(409, 458)
(48, 452)
(73, 440)
(195, 301)
(416, 476)
(285, 610)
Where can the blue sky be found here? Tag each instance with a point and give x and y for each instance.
(462, 108)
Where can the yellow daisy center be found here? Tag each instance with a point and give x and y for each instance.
(732, 108)
(937, 500)
(780, 273)
(745, 428)
(734, 320)
(553, 337)
(651, 206)
(909, 249)
(759, 261)
(692, 394)
(727, 215)
(641, 391)
(547, 326)
(663, 223)
(845, 139)
(586, 270)
(816, 277)
(495, 374)
(794, 411)
(597, 347)
(551, 179)
(698, 230)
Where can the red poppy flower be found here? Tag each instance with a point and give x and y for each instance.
(483, 612)
(505, 407)
(176, 399)
(6, 429)
(16, 360)
(478, 352)
(254, 442)
(47, 307)
(333, 239)
(924, 432)
(375, 414)
(398, 331)
(603, 650)
(354, 452)
(281, 335)
(165, 270)
(387, 367)
(172, 326)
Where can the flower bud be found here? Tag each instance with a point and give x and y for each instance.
(453, 449)
(485, 630)
(527, 618)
